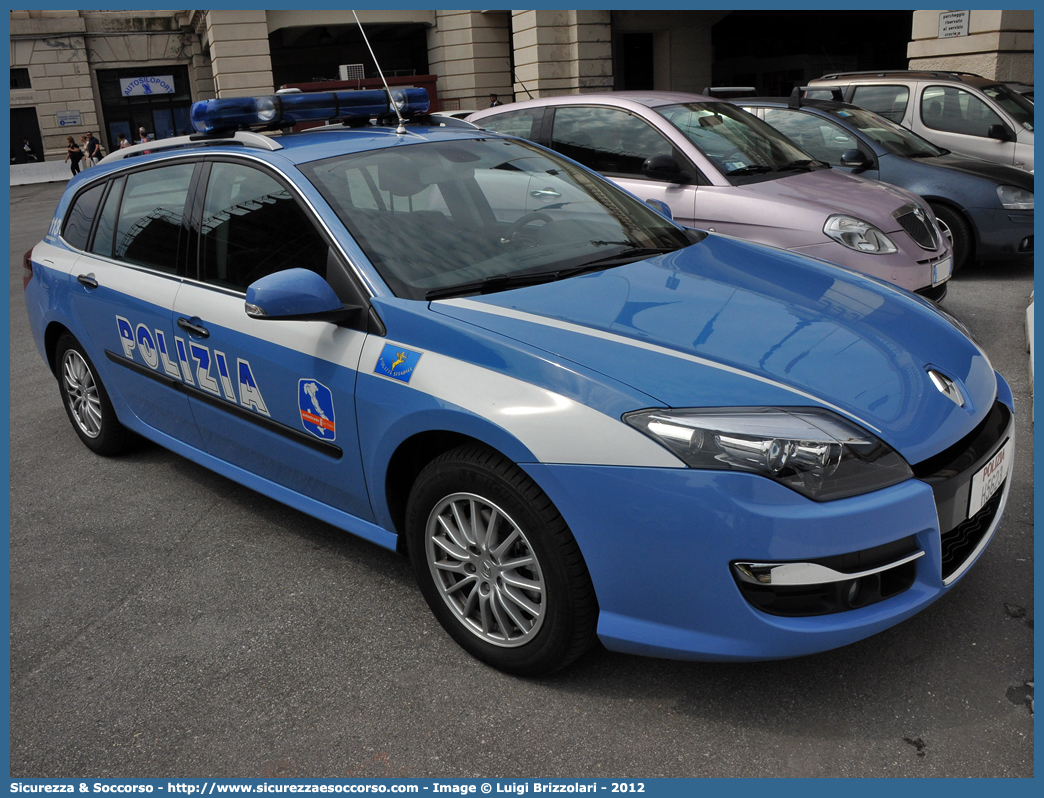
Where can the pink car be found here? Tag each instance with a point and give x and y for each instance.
(718, 168)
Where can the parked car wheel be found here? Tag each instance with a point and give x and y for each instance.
(86, 401)
(497, 564)
(956, 229)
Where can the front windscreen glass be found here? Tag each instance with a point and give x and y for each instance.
(895, 138)
(1018, 107)
(479, 215)
(739, 144)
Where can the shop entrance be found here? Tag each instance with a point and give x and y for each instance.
(155, 98)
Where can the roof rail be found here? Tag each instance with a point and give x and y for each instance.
(882, 73)
(710, 91)
(796, 96)
(244, 137)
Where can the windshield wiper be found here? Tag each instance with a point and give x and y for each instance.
(807, 163)
(756, 169)
(619, 258)
(501, 282)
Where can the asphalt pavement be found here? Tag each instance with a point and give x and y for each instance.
(168, 622)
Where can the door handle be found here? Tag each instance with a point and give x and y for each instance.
(544, 193)
(194, 329)
(87, 281)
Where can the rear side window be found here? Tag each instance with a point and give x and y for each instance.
(252, 227)
(525, 123)
(148, 231)
(607, 140)
(888, 101)
(106, 232)
(954, 110)
(81, 216)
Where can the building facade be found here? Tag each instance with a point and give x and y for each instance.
(113, 72)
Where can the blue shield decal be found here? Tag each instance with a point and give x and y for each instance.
(397, 362)
(317, 409)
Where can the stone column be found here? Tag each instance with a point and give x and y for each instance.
(999, 45)
(239, 54)
(562, 52)
(470, 52)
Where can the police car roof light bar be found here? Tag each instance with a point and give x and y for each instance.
(277, 111)
(401, 129)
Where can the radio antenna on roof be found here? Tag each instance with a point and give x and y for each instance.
(401, 129)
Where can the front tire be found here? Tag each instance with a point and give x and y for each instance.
(86, 401)
(497, 564)
(956, 230)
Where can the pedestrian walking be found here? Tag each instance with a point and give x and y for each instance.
(74, 154)
(122, 143)
(94, 150)
(493, 101)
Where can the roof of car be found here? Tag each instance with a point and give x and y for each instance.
(908, 74)
(302, 146)
(806, 102)
(650, 99)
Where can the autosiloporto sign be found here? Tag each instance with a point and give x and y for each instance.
(151, 84)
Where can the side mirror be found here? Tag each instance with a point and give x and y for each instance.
(1000, 132)
(855, 159)
(296, 294)
(661, 207)
(663, 168)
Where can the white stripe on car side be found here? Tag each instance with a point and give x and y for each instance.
(319, 339)
(553, 427)
(546, 321)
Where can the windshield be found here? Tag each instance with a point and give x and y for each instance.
(736, 142)
(438, 215)
(1018, 107)
(894, 138)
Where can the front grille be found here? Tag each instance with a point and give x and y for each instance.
(970, 449)
(917, 226)
(959, 543)
(950, 474)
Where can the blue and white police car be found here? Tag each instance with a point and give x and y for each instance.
(579, 419)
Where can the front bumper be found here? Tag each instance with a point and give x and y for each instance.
(662, 545)
(1003, 234)
(911, 267)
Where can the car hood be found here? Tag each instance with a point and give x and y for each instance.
(729, 323)
(999, 173)
(829, 191)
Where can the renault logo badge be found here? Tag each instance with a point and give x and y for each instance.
(946, 386)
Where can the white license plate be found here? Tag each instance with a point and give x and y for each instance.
(989, 478)
(942, 270)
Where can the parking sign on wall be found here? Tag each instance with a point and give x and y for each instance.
(69, 118)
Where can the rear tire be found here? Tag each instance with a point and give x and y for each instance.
(497, 564)
(87, 403)
(956, 230)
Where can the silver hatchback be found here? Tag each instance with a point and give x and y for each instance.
(964, 113)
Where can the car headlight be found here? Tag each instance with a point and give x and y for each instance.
(1015, 199)
(815, 452)
(858, 235)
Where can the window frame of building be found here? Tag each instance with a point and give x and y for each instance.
(20, 79)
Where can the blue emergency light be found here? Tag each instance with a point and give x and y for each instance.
(284, 110)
